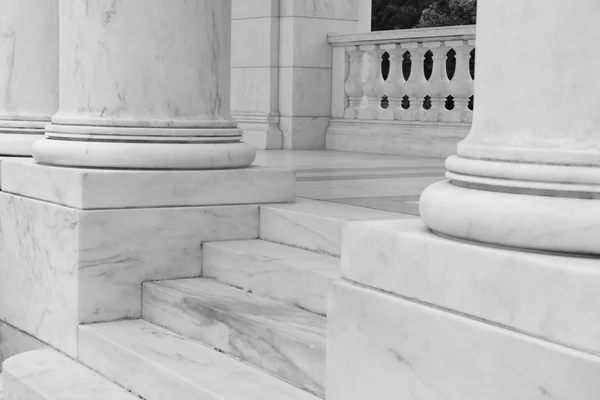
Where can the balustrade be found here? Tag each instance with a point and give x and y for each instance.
(449, 97)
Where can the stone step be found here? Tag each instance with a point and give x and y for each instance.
(279, 338)
(314, 225)
(159, 364)
(47, 374)
(295, 276)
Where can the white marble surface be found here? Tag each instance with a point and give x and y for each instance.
(395, 137)
(187, 64)
(120, 249)
(255, 43)
(255, 91)
(304, 133)
(262, 132)
(38, 271)
(304, 40)
(299, 99)
(314, 225)
(49, 375)
(62, 267)
(103, 188)
(28, 63)
(382, 347)
(241, 9)
(14, 341)
(161, 365)
(548, 296)
(547, 223)
(328, 9)
(535, 132)
(281, 339)
(289, 274)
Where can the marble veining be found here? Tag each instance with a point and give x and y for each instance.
(279, 338)
(119, 249)
(380, 344)
(61, 267)
(178, 78)
(38, 269)
(28, 61)
(293, 275)
(162, 365)
(48, 375)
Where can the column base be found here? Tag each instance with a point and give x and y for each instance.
(18, 142)
(422, 316)
(524, 221)
(94, 153)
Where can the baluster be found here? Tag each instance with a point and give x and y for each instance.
(373, 84)
(461, 86)
(416, 86)
(354, 83)
(395, 86)
(438, 84)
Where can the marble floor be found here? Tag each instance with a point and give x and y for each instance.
(377, 181)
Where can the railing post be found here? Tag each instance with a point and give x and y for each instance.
(461, 86)
(438, 84)
(354, 83)
(373, 83)
(416, 86)
(395, 83)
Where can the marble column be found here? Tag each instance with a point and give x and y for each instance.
(528, 175)
(28, 72)
(144, 84)
(142, 164)
(494, 295)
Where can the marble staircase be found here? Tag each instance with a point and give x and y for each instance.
(252, 326)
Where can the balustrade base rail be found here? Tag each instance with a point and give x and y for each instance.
(412, 138)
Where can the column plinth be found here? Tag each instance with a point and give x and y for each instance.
(144, 86)
(29, 67)
(528, 174)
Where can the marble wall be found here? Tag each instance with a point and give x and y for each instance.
(281, 68)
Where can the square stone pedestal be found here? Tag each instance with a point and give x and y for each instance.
(419, 316)
(76, 244)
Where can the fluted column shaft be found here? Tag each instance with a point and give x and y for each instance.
(144, 84)
(28, 72)
(528, 175)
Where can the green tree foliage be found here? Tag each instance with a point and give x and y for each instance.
(448, 13)
(397, 14)
(406, 14)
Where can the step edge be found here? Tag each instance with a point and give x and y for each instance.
(160, 286)
(190, 342)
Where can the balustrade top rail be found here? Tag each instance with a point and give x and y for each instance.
(447, 33)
